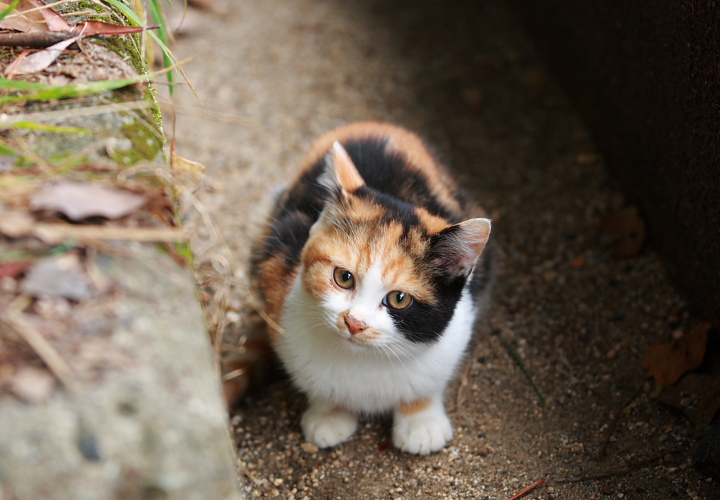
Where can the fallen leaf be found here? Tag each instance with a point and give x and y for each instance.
(12, 269)
(59, 276)
(668, 361)
(626, 231)
(192, 168)
(54, 21)
(186, 172)
(20, 20)
(93, 28)
(80, 201)
(42, 59)
(32, 385)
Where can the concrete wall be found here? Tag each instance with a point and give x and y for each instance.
(645, 76)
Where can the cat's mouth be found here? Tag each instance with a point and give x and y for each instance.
(362, 339)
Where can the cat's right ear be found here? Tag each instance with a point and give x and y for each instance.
(456, 248)
(340, 176)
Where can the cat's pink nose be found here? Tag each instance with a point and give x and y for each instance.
(354, 325)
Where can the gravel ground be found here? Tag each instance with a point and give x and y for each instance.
(273, 75)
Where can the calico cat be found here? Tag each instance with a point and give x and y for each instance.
(372, 272)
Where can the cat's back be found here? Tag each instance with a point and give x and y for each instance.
(391, 160)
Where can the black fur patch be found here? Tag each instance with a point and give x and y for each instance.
(425, 323)
(389, 174)
(288, 237)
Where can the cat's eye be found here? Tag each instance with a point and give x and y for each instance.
(397, 300)
(344, 278)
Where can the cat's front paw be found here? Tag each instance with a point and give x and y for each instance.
(328, 427)
(423, 432)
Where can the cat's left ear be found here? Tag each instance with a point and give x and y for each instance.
(340, 176)
(456, 248)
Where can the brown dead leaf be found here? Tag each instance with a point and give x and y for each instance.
(12, 269)
(92, 28)
(186, 172)
(80, 201)
(626, 231)
(21, 20)
(34, 63)
(667, 362)
(53, 20)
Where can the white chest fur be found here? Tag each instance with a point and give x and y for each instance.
(366, 379)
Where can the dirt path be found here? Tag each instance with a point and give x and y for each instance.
(463, 75)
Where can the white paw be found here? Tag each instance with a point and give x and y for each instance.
(327, 428)
(422, 434)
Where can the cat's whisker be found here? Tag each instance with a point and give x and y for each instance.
(388, 347)
(385, 350)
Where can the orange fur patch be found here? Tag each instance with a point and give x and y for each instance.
(367, 335)
(413, 407)
(275, 284)
(364, 211)
(433, 223)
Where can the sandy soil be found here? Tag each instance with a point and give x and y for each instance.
(275, 74)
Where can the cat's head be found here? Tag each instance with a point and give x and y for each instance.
(384, 273)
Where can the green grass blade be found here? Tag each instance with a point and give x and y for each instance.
(127, 12)
(49, 92)
(10, 8)
(6, 84)
(6, 150)
(133, 16)
(42, 127)
(159, 19)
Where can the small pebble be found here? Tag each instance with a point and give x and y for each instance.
(309, 448)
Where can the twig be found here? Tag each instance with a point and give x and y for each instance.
(527, 490)
(35, 39)
(216, 116)
(14, 320)
(233, 374)
(620, 472)
(614, 420)
(57, 233)
(249, 474)
(513, 353)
